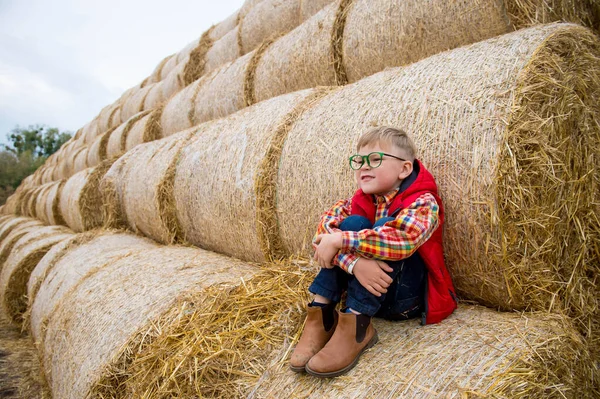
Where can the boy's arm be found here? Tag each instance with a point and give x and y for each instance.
(329, 224)
(397, 239)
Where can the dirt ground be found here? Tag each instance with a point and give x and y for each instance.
(20, 375)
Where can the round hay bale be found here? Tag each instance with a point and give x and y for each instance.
(80, 160)
(492, 122)
(10, 224)
(105, 322)
(526, 13)
(179, 110)
(301, 59)
(52, 205)
(4, 218)
(144, 130)
(48, 174)
(233, 159)
(40, 203)
(195, 65)
(66, 266)
(308, 8)
(67, 164)
(144, 185)
(88, 132)
(27, 252)
(32, 202)
(23, 202)
(175, 80)
(225, 26)
(14, 234)
(111, 191)
(81, 200)
(476, 350)
(223, 91)
(222, 51)
(155, 97)
(184, 53)
(98, 149)
(388, 33)
(135, 103)
(246, 8)
(11, 207)
(107, 117)
(157, 74)
(267, 20)
(118, 138)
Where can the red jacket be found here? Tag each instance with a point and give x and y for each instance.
(440, 297)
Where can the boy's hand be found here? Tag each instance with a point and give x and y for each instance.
(327, 246)
(371, 274)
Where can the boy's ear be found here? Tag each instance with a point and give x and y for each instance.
(407, 168)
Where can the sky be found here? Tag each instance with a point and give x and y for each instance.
(62, 61)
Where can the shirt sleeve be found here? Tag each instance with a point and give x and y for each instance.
(330, 223)
(397, 239)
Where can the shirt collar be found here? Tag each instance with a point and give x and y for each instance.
(386, 197)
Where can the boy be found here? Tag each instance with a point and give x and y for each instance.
(383, 247)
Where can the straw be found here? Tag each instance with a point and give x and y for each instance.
(118, 138)
(224, 50)
(146, 129)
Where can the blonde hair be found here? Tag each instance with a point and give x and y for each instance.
(396, 137)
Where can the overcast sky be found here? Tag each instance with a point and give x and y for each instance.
(61, 61)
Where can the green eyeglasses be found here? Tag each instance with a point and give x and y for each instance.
(373, 160)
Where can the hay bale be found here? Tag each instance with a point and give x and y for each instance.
(157, 75)
(527, 13)
(14, 235)
(80, 160)
(175, 80)
(66, 265)
(231, 159)
(387, 33)
(146, 129)
(308, 8)
(506, 128)
(135, 103)
(105, 323)
(11, 206)
(222, 51)
(88, 132)
(40, 203)
(144, 187)
(108, 117)
(225, 26)
(47, 175)
(81, 200)
(52, 211)
(32, 202)
(118, 138)
(155, 96)
(223, 91)
(98, 149)
(27, 252)
(10, 224)
(301, 59)
(475, 352)
(178, 112)
(267, 20)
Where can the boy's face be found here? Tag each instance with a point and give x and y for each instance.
(388, 175)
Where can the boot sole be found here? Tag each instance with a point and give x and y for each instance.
(349, 367)
(297, 369)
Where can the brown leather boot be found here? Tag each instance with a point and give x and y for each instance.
(353, 335)
(318, 329)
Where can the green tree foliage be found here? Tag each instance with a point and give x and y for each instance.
(29, 150)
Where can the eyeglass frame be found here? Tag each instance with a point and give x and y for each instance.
(365, 158)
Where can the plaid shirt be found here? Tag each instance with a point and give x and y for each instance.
(395, 240)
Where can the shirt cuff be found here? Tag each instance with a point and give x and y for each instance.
(345, 260)
(351, 266)
(350, 240)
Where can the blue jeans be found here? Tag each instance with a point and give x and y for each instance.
(404, 298)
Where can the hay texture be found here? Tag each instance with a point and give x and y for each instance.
(155, 97)
(506, 127)
(222, 51)
(143, 185)
(98, 149)
(118, 138)
(308, 8)
(88, 132)
(104, 322)
(52, 214)
(301, 59)
(387, 33)
(11, 223)
(81, 200)
(135, 103)
(80, 160)
(67, 265)
(40, 203)
(157, 74)
(220, 174)
(474, 353)
(146, 129)
(14, 235)
(178, 113)
(225, 26)
(525, 13)
(109, 117)
(25, 255)
(267, 20)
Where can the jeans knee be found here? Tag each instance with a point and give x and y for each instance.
(355, 223)
(383, 221)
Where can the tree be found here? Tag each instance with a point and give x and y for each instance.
(30, 149)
